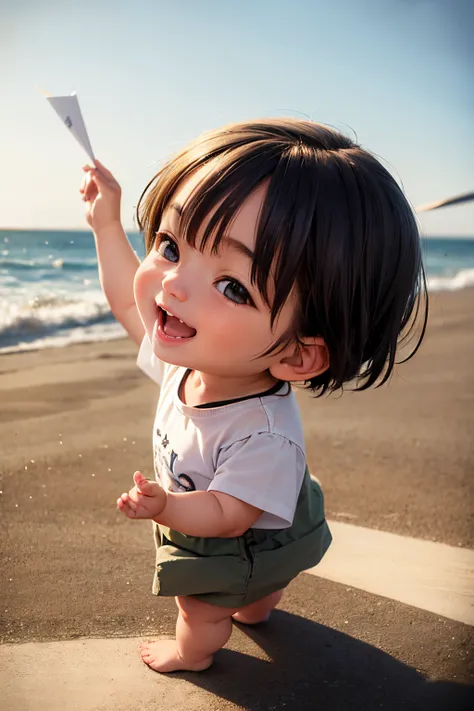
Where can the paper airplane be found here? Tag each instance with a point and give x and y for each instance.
(69, 111)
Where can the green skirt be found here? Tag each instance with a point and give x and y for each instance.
(234, 572)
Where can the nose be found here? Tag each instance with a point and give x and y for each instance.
(173, 283)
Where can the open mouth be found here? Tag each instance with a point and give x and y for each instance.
(172, 326)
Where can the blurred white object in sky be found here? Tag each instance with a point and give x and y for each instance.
(457, 200)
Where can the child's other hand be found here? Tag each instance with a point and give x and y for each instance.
(146, 499)
(101, 193)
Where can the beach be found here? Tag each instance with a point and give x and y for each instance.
(76, 423)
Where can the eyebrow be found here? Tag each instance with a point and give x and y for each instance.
(229, 241)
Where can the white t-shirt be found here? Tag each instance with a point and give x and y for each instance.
(252, 449)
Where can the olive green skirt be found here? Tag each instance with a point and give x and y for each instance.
(234, 572)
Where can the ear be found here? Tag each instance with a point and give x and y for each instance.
(308, 358)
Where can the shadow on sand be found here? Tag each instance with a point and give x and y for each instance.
(318, 668)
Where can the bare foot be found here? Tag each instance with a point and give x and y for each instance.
(163, 656)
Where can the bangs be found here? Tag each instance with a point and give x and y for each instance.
(285, 220)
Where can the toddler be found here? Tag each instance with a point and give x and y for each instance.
(277, 252)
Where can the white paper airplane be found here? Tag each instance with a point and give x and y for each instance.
(68, 110)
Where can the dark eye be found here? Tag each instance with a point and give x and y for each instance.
(234, 291)
(167, 248)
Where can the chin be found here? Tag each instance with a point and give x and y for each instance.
(171, 357)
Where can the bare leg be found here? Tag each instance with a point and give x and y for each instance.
(201, 630)
(258, 611)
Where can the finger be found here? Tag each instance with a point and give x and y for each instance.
(107, 178)
(102, 182)
(91, 191)
(103, 170)
(125, 508)
(135, 495)
(84, 184)
(92, 172)
(129, 501)
(130, 514)
(86, 181)
(143, 485)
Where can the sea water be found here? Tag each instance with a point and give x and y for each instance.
(50, 294)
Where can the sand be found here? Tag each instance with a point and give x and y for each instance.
(75, 423)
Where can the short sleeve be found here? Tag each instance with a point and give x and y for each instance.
(149, 363)
(266, 471)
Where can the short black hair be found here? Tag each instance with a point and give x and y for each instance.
(334, 224)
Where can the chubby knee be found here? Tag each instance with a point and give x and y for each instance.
(190, 608)
(187, 606)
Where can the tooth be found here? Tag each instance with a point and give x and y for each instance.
(180, 320)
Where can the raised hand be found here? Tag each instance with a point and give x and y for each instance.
(146, 499)
(102, 194)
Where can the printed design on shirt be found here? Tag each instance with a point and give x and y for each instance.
(168, 462)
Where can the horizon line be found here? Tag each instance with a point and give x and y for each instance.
(135, 231)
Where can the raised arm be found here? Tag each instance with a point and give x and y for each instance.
(117, 260)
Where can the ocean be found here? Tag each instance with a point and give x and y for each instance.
(50, 295)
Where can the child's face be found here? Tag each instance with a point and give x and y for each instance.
(227, 321)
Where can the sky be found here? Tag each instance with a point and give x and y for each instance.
(151, 75)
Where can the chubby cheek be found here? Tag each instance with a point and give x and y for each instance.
(138, 287)
(143, 290)
(239, 333)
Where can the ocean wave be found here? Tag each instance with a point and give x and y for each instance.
(46, 319)
(462, 280)
(48, 315)
(92, 334)
(56, 263)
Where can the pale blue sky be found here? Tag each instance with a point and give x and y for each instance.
(152, 74)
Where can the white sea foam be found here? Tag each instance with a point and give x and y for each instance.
(462, 280)
(91, 334)
(49, 315)
(49, 320)
(52, 310)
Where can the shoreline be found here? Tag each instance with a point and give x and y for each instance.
(433, 296)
